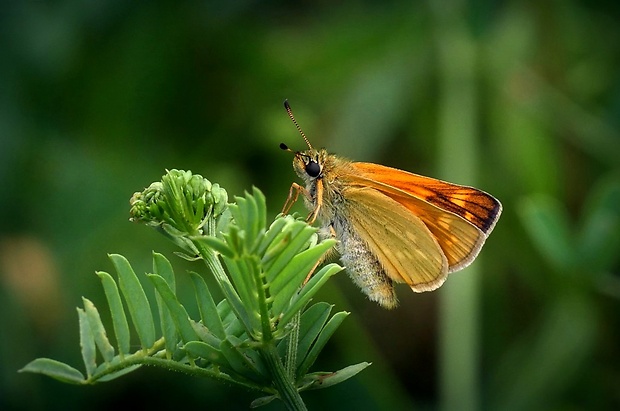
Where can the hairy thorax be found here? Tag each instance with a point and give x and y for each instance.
(361, 263)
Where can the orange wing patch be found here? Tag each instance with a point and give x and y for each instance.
(479, 208)
(459, 217)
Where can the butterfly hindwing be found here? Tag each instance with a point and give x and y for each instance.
(402, 243)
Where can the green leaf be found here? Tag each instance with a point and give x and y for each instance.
(205, 335)
(240, 361)
(242, 272)
(216, 245)
(326, 333)
(138, 304)
(98, 330)
(87, 343)
(311, 324)
(119, 320)
(232, 325)
(213, 263)
(119, 373)
(259, 402)
(287, 282)
(274, 230)
(177, 311)
(245, 215)
(250, 215)
(162, 267)
(547, 224)
(300, 234)
(319, 380)
(261, 204)
(208, 352)
(55, 369)
(306, 293)
(206, 305)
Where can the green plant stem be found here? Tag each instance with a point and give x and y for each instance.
(293, 343)
(282, 381)
(213, 263)
(145, 357)
(262, 306)
(459, 320)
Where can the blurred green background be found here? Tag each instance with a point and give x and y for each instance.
(519, 98)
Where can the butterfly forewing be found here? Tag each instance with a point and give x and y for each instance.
(401, 242)
(477, 207)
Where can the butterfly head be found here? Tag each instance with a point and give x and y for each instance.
(308, 164)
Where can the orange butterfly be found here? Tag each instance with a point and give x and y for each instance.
(391, 225)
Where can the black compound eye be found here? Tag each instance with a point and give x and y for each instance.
(313, 169)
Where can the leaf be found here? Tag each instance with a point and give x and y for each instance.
(242, 271)
(311, 324)
(177, 311)
(288, 281)
(231, 323)
(239, 361)
(319, 380)
(87, 343)
(98, 330)
(261, 204)
(300, 234)
(274, 230)
(547, 224)
(137, 303)
(213, 263)
(259, 402)
(119, 320)
(216, 245)
(306, 293)
(208, 310)
(205, 335)
(326, 333)
(119, 373)
(208, 352)
(162, 267)
(55, 369)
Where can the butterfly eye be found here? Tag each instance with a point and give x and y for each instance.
(313, 169)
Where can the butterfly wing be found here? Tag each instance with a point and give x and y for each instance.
(460, 217)
(402, 243)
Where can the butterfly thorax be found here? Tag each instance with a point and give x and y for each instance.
(326, 179)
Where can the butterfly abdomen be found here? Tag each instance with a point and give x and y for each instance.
(363, 266)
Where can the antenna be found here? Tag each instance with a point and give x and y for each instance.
(290, 114)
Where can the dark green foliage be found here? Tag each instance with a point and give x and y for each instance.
(267, 303)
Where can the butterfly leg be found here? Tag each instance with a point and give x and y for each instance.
(319, 202)
(293, 194)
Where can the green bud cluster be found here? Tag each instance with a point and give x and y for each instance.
(181, 200)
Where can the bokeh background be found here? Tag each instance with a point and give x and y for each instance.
(519, 98)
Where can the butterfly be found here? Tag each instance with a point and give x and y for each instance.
(391, 226)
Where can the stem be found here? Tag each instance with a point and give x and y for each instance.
(282, 381)
(213, 263)
(459, 320)
(292, 346)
